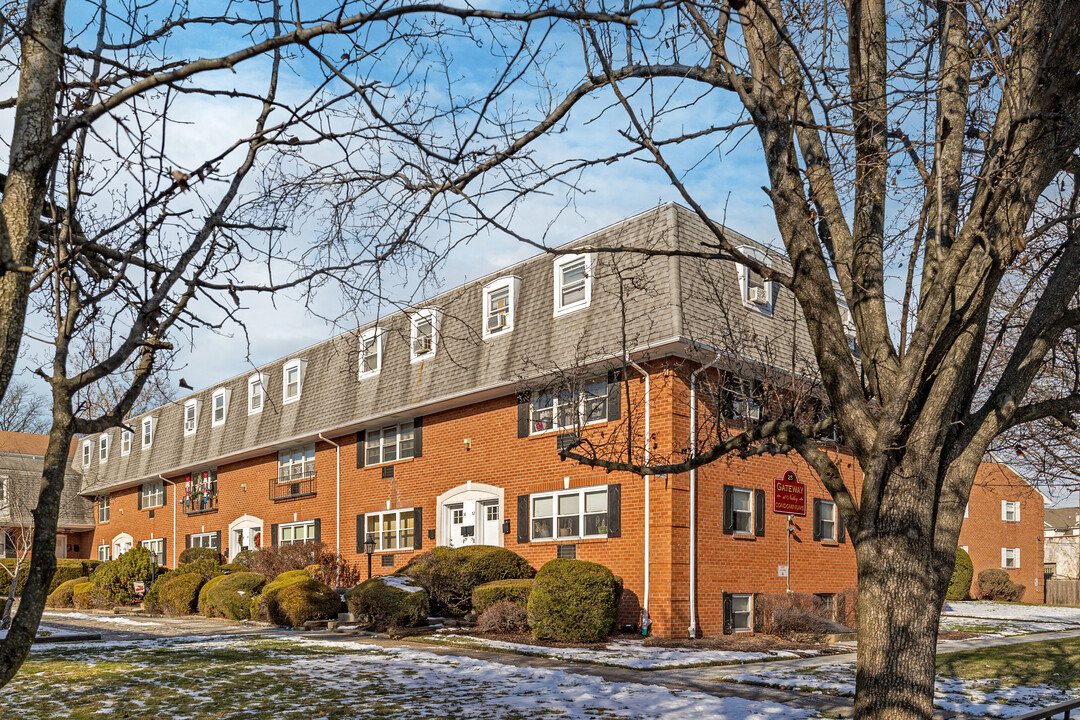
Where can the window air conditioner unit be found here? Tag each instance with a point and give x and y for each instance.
(422, 345)
(747, 409)
(758, 296)
(496, 322)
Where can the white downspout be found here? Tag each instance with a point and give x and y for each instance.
(165, 479)
(693, 497)
(646, 622)
(337, 507)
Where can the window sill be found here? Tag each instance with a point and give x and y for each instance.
(744, 536)
(570, 309)
(152, 507)
(388, 463)
(553, 432)
(575, 539)
(290, 401)
(830, 543)
(496, 335)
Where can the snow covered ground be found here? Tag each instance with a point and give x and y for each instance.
(110, 619)
(46, 630)
(628, 653)
(975, 697)
(1013, 611)
(297, 677)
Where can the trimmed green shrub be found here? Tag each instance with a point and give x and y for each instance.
(244, 557)
(63, 596)
(504, 616)
(230, 596)
(150, 599)
(178, 594)
(573, 601)
(450, 574)
(204, 567)
(996, 584)
(82, 597)
(235, 567)
(192, 554)
(113, 582)
(960, 582)
(293, 598)
(515, 591)
(389, 601)
(66, 569)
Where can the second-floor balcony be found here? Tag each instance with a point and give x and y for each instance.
(198, 503)
(290, 487)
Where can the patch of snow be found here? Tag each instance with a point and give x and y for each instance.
(991, 627)
(114, 620)
(401, 582)
(1012, 611)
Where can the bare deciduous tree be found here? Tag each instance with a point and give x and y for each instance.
(23, 411)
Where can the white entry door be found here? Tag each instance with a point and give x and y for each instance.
(489, 521)
(61, 547)
(248, 538)
(461, 519)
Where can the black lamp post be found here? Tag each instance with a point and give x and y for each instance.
(369, 548)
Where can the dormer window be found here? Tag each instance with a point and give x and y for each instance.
(370, 352)
(424, 334)
(103, 448)
(148, 425)
(256, 393)
(292, 380)
(757, 292)
(500, 303)
(191, 416)
(125, 442)
(87, 451)
(219, 406)
(573, 283)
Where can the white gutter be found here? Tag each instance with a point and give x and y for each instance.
(693, 496)
(646, 622)
(165, 479)
(337, 506)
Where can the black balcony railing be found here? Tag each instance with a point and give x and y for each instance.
(288, 488)
(1064, 711)
(204, 503)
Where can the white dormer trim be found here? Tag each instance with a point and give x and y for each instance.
(300, 366)
(366, 337)
(103, 447)
(416, 320)
(261, 379)
(498, 324)
(87, 453)
(749, 296)
(149, 429)
(192, 408)
(126, 439)
(223, 395)
(562, 306)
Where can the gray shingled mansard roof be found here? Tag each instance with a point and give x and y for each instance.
(21, 475)
(679, 307)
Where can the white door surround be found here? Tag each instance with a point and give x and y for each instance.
(121, 544)
(245, 533)
(465, 509)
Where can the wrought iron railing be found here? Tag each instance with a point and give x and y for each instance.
(292, 486)
(197, 504)
(1065, 711)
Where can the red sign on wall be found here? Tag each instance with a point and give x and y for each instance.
(789, 495)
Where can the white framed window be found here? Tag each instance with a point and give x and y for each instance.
(1010, 511)
(828, 520)
(256, 393)
(968, 505)
(757, 292)
(297, 464)
(564, 410)
(573, 282)
(205, 540)
(389, 443)
(500, 303)
(219, 406)
(103, 509)
(391, 530)
(191, 416)
(87, 453)
(3, 494)
(371, 344)
(1010, 558)
(292, 376)
(156, 546)
(423, 333)
(298, 532)
(742, 511)
(570, 514)
(742, 612)
(149, 424)
(125, 442)
(103, 448)
(103, 553)
(153, 494)
(742, 398)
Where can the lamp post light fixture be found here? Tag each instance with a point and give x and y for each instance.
(369, 549)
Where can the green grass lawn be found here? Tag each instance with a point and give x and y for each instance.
(1051, 662)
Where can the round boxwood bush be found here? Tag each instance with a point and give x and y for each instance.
(63, 596)
(192, 554)
(113, 582)
(178, 594)
(230, 596)
(960, 582)
(293, 598)
(82, 596)
(66, 569)
(573, 601)
(389, 601)
(996, 584)
(515, 591)
(205, 567)
(150, 599)
(504, 616)
(450, 574)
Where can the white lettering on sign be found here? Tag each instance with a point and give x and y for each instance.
(781, 570)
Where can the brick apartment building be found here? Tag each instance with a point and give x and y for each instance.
(441, 424)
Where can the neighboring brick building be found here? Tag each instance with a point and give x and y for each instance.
(1003, 528)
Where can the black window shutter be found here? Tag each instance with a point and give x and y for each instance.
(360, 449)
(523, 519)
(217, 541)
(759, 513)
(360, 534)
(164, 494)
(728, 622)
(817, 519)
(140, 496)
(418, 528)
(187, 542)
(839, 526)
(418, 437)
(164, 550)
(614, 396)
(614, 510)
(318, 530)
(9, 544)
(757, 617)
(523, 415)
(273, 535)
(729, 515)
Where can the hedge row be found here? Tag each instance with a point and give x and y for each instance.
(67, 569)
